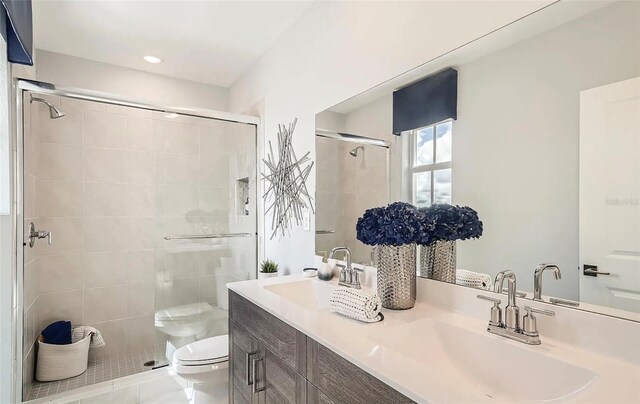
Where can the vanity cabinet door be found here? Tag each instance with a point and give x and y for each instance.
(343, 382)
(281, 383)
(315, 396)
(284, 341)
(243, 348)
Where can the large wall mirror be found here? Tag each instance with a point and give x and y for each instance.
(545, 147)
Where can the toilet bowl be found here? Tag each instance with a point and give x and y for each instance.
(189, 323)
(204, 364)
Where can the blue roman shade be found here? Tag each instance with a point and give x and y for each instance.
(428, 101)
(19, 30)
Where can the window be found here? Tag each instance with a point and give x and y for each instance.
(430, 164)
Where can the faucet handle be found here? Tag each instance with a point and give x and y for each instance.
(530, 310)
(529, 322)
(356, 279)
(496, 311)
(491, 299)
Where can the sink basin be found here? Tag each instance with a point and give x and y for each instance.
(496, 368)
(312, 294)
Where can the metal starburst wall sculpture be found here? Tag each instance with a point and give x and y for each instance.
(287, 178)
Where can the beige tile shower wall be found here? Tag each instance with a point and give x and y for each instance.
(330, 195)
(346, 186)
(111, 183)
(240, 264)
(95, 191)
(365, 185)
(371, 183)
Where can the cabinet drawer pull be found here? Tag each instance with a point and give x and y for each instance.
(254, 366)
(248, 368)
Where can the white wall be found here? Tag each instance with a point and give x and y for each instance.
(70, 71)
(338, 49)
(516, 139)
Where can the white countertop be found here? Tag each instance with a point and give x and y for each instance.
(421, 375)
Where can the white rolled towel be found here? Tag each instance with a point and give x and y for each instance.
(83, 331)
(357, 304)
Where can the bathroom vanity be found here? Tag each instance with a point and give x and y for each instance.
(288, 345)
(271, 361)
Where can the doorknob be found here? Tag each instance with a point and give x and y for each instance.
(592, 270)
(35, 234)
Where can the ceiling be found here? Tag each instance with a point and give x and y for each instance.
(211, 42)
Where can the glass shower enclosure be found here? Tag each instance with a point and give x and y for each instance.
(134, 218)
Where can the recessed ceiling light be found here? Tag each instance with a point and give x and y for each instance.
(171, 115)
(152, 59)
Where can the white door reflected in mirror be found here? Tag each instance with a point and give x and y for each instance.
(610, 194)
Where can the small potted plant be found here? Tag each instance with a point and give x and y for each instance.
(393, 230)
(442, 226)
(268, 269)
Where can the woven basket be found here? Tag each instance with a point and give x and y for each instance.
(57, 362)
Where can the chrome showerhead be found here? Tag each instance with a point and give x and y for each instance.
(54, 113)
(354, 152)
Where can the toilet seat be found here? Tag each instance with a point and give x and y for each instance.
(208, 351)
(205, 361)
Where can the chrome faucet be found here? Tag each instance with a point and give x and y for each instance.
(510, 328)
(348, 276)
(537, 278)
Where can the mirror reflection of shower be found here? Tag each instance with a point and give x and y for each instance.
(54, 113)
(354, 175)
(354, 152)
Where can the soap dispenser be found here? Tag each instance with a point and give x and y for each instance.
(325, 272)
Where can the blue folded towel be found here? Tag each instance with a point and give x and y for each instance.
(58, 333)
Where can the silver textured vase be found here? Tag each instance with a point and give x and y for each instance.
(396, 276)
(438, 261)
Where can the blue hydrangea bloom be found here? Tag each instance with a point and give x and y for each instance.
(395, 224)
(448, 223)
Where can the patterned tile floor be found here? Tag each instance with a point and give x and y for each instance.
(100, 369)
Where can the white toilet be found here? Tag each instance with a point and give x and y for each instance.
(188, 323)
(204, 364)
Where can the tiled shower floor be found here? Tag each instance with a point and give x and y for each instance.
(100, 369)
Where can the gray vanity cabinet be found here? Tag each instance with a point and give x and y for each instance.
(266, 352)
(272, 362)
(282, 384)
(340, 381)
(242, 347)
(315, 396)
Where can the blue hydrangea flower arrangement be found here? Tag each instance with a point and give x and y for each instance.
(395, 224)
(443, 222)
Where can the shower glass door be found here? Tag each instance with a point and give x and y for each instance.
(150, 213)
(206, 208)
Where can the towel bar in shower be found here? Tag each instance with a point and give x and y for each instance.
(325, 231)
(202, 236)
